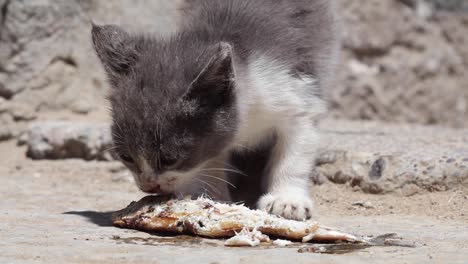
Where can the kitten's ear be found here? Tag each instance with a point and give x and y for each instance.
(115, 48)
(216, 82)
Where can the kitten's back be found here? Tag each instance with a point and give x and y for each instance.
(299, 33)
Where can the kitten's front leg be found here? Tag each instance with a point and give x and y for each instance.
(289, 170)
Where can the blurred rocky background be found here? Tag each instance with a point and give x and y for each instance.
(47, 66)
(402, 60)
(403, 64)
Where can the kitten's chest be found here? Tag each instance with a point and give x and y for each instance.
(256, 127)
(269, 99)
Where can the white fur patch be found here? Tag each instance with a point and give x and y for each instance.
(274, 99)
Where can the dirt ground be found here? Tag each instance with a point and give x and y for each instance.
(58, 211)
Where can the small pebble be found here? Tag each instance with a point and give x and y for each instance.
(365, 204)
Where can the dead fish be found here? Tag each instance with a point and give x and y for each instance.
(208, 218)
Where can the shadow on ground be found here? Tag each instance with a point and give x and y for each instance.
(98, 218)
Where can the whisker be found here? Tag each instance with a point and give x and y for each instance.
(118, 141)
(237, 170)
(181, 196)
(117, 138)
(116, 133)
(243, 147)
(210, 185)
(159, 128)
(229, 165)
(208, 192)
(219, 179)
(228, 170)
(110, 148)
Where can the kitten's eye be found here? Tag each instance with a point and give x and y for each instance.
(127, 159)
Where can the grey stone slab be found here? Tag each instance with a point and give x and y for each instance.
(379, 157)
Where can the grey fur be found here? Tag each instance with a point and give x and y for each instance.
(177, 103)
(302, 33)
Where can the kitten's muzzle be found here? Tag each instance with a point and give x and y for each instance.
(152, 189)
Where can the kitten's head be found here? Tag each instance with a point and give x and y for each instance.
(173, 104)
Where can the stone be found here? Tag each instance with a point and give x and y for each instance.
(3, 105)
(395, 73)
(452, 5)
(21, 112)
(387, 73)
(64, 140)
(363, 204)
(383, 158)
(47, 62)
(5, 127)
(81, 107)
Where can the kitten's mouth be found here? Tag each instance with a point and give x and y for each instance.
(156, 189)
(165, 185)
(153, 190)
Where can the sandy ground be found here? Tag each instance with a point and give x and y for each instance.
(58, 212)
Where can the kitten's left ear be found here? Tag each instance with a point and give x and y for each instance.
(215, 83)
(115, 48)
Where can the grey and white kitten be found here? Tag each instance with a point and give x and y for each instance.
(238, 76)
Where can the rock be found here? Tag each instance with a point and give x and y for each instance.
(5, 127)
(364, 204)
(451, 5)
(395, 73)
(46, 58)
(21, 112)
(410, 189)
(4, 93)
(382, 158)
(365, 21)
(387, 73)
(3, 105)
(423, 8)
(22, 139)
(81, 107)
(63, 140)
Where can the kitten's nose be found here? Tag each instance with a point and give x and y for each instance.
(153, 189)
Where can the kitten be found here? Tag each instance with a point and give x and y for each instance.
(237, 75)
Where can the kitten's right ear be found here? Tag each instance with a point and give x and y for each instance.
(115, 48)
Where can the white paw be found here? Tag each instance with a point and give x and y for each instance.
(289, 204)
